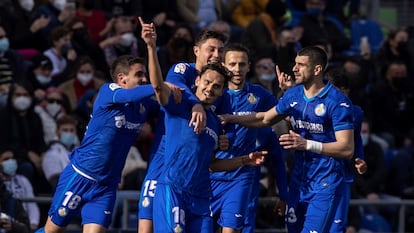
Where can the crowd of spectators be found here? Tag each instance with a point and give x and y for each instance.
(55, 54)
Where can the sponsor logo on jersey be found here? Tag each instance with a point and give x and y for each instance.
(121, 121)
(293, 104)
(180, 68)
(251, 98)
(346, 105)
(337, 220)
(320, 109)
(113, 86)
(310, 126)
(238, 215)
(107, 212)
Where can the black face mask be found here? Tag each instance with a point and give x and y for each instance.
(179, 43)
(399, 82)
(402, 47)
(64, 49)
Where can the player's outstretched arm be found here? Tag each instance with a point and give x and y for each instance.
(256, 158)
(149, 35)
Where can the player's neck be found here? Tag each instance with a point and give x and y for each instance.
(312, 89)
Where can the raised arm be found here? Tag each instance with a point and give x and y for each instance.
(149, 35)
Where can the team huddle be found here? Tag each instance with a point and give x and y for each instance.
(214, 131)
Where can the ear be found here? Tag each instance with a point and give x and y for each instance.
(196, 50)
(317, 70)
(197, 80)
(121, 79)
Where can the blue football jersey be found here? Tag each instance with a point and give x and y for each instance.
(317, 118)
(252, 98)
(117, 117)
(188, 155)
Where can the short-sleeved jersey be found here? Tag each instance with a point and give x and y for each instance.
(317, 118)
(359, 148)
(117, 117)
(252, 98)
(188, 155)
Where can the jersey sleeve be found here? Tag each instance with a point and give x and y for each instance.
(113, 93)
(181, 75)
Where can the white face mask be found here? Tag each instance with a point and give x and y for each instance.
(27, 5)
(22, 103)
(268, 77)
(127, 39)
(59, 4)
(84, 78)
(43, 79)
(53, 108)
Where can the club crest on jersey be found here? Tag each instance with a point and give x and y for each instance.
(113, 86)
(62, 211)
(146, 202)
(180, 68)
(320, 109)
(252, 99)
(178, 229)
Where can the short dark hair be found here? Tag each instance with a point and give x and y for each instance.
(317, 56)
(337, 77)
(219, 68)
(235, 47)
(123, 64)
(66, 119)
(209, 34)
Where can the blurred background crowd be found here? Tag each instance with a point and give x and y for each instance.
(55, 54)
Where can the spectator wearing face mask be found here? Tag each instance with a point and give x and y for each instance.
(50, 110)
(83, 80)
(19, 186)
(17, 19)
(39, 75)
(121, 40)
(394, 48)
(392, 94)
(61, 54)
(179, 48)
(22, 131)
(13, 217)
(12, 66)
(5, 83)
(56, 156)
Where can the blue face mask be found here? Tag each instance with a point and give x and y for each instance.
(365, 139)
(9, 167)
(43, 80)
(4, 44)
(68, 139)
(314, 11)
(3, 100)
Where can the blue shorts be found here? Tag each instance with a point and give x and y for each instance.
(250, 219)
(77, 194)
(229, 202)
(146, 199)
(149, 185)
(341, 217)
(313, 212)
(175, 211)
